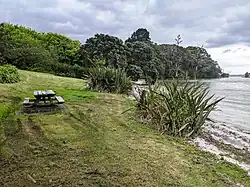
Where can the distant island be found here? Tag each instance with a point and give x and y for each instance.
(224, 75)
(247, 75)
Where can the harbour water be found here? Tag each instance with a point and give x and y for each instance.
(234, 110)
(232, 122)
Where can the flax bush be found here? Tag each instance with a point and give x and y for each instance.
(109, 80)
(177, 108)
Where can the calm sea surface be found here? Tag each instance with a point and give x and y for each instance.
(234, 110)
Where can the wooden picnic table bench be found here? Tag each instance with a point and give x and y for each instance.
(48, 93)
(59, 99)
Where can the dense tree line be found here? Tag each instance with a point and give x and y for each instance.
(138, 56)
(45, 52)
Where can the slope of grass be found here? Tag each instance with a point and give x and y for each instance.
(94, 143)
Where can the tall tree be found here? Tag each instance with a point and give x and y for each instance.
(104, 48)
(176, 57)
(141, 35)
(178, 39)
(141, 55)
(203, 66)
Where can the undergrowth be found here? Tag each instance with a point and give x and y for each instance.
(9, 74)
(109, 80)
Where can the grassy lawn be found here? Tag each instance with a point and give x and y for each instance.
(94, 143)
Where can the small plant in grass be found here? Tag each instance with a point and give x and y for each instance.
(177, 108)
(109, 80)
(8, 74)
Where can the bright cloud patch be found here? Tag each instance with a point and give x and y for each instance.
(235, 60)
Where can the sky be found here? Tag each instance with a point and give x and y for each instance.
(221, 26)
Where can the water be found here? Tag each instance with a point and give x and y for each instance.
(233, 121)
(234, 110)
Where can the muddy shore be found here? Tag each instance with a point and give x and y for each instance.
(229, 143)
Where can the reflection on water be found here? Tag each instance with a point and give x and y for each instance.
(235, 108)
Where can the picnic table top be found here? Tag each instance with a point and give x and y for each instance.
(39, 93)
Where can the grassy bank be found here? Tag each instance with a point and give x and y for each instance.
(94, 143)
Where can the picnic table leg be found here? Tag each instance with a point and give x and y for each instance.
(36, 101)
(50, 100)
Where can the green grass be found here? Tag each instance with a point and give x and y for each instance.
(94, 143)
(3, 110)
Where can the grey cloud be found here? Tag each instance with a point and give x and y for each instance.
(235, 30)
(238, 65)
(101, 4)
(226, 51)
(29, 13)
(239, 49)
(233, 51)
(222, 40)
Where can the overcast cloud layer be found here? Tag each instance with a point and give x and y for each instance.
(222, 26)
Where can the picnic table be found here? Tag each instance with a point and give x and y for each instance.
(44, 97)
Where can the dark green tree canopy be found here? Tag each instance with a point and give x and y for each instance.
(61, 47)
(108, 49)
(246, 74)
(141, 35)
(28, 49)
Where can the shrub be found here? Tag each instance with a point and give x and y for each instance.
(30, 58)
(79, 71)
(134, 72)
(63, 69)
(2, 59)
(175, 108)
(8, 74)
(109, 80)
(41, 60)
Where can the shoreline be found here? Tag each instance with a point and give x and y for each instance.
(226, 142)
